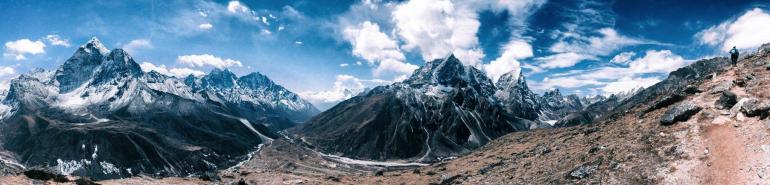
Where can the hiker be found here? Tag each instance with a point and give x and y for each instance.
(734, 55)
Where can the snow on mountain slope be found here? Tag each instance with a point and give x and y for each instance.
(444, 109)
(142, 122)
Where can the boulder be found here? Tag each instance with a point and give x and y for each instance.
(726, 100)
(721, 87)
(691, 89)
(680, 112)
(740, 82)
(753, 107)
(583, 171)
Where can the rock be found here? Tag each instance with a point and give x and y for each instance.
(541, 150)
(583, 171)
(45, 175)
(665, 101)
(753, 107)
(242, 182)
(333, 178)
(740, 82)
(691, 89)
(737, 107)
(767, 67)
(490, 166)
(721, 87)
(720, 120)
(379, 173)
(680, 112)
(727, 100)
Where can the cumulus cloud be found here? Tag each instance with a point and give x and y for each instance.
(20, 48)
(663, 61)
(236, 6)
(205, 26)
(55, 40)
(509, 60)
(628, 83)
(137, 44)
(207, 59)
(345, 87)
(750, 30)
(438, 28)
(379, 50)
(177, 72)
(642, 71)
(562, 60)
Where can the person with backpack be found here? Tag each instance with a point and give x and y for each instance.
(734, 55)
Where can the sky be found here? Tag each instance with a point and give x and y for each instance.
(326, 51)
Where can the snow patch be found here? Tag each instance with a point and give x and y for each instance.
(68, 167)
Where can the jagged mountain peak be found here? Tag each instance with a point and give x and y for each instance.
(94, 45)
(449, 72)
(219, 78)
(507, 81)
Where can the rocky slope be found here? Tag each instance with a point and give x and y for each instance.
(99, 115)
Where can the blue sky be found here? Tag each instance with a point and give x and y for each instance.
(328, 50)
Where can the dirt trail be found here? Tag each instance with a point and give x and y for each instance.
(723, 148)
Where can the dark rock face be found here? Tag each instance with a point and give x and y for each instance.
(754, 107)
(117, 121)
(665, 101)
(680, 112)
(726, 100)
(444, 109)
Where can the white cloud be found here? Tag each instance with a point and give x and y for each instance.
(19, 48)
(236, 6)
(438, 28)
(663, 61)
(377, 48)
(389, 65)
(628, 83)
(7, 71)
(57, 41)
(605, 43)
(619, 79)
(137, 44)
(345, 87)
(509, 60)
(206, 59)
(205, 26)
(563, 60)
(162, 69)
(344, 65)
(623, 58)
(750, 30)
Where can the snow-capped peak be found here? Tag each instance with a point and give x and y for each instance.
(507, 81)
(95, 45)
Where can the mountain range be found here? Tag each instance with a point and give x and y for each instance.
(445, 109)
(100, 115)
